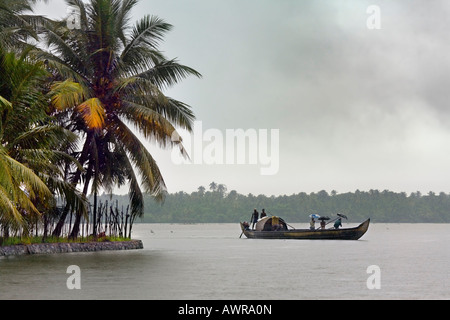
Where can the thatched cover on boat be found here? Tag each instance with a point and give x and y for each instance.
(270, 224)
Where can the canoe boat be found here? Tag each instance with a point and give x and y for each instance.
(265, 230)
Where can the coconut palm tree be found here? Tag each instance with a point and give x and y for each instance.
(213, 186)
(31, 146)
(112, 76)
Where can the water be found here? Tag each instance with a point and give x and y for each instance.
(209, 261)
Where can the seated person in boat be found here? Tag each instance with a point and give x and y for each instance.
(277, 227)
(277, 224)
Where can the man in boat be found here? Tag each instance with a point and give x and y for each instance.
(338, 223)
(254, 218)
(263, 213)
(322, 224)
(312, 224)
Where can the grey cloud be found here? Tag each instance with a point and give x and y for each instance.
(356, 108)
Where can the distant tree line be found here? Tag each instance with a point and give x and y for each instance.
(216, 204)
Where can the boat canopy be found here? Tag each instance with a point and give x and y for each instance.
(270, 223)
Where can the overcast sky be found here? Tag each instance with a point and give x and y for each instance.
(356, 108)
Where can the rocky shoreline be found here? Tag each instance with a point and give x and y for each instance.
(49, 248)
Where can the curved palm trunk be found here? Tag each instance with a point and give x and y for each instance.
(94, 216)
(62, 220)
(76, 225)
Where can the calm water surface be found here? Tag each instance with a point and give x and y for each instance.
(209, 261)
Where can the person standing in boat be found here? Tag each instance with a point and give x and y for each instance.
(312, 224)
(322, 224)
(338, 223)
(254, 219)
(263, 213)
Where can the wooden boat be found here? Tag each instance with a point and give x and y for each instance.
(265, 230)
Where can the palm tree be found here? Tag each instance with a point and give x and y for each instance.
(111, 79)
(201, 190)
(31, 146)
(213, 186)
(222, 189)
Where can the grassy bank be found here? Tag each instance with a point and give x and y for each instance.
(10, 241)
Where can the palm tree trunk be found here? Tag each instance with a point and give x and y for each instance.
(76, 225)
(62, 220)
(94, 216)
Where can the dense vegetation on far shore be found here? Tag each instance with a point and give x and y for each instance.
(218, 205)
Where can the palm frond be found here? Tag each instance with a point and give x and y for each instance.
(10, 214)
(19, 186)
(150, 174)
(177, 112)
(5, 104)
(143, 92)
(25, 175)
(47, 136)
(166, 73)
(123, 18)
(66, 94)
(93, 113)
(16, 27)
(152, 125)
(74, 199)
(137, 60)
(72, 55)
(149, 31)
